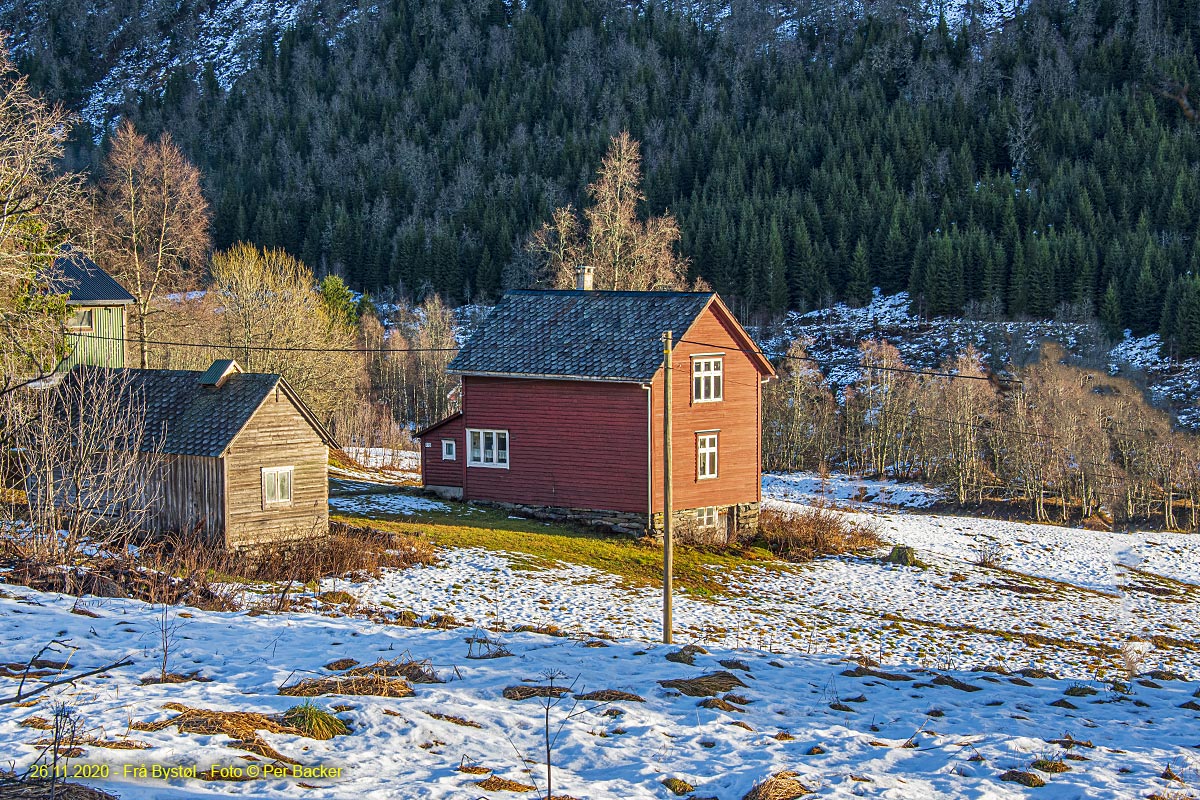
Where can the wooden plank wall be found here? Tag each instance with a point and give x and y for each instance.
(192, 496)
(435, 471)
(276, 436)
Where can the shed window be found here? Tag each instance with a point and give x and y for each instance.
(277, 486)
(707, 385)
(449, 450)
(81, 320)
(487, 448)
(710, 516)
(706, 455)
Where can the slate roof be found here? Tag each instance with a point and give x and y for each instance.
(188, 419)
(614, 336)
(76, 275)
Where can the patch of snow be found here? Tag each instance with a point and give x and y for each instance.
(382, 503)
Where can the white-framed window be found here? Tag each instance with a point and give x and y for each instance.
(277, 486)
(707, 383)
(709, 516)
(706, 455)
(449, 450)
(81, 320)
(487, 448)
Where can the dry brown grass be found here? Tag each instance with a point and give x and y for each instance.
(453, 720)
(610, 695)
(526, 692)
(814, 532)
(108, 744)
(416, 671)
(14, 788)
(368, 685)
(241, 726)
(780, 786)
(498, 784)
(704, 686)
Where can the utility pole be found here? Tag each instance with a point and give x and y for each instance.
(667, 513)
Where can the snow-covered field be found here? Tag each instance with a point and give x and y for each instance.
(945, 717)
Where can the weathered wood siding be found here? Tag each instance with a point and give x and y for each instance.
(737, 418)
(276, 436)
(192, 496)
(436, 471)
(104, 345)
(573, 444)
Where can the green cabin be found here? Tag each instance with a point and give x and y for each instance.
(96, 307)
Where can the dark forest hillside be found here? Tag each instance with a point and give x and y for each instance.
(1038, 164)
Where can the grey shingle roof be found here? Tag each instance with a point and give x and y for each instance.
(186, 418)
(582, 335)
(76, 275)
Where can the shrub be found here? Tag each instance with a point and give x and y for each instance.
(813, 532)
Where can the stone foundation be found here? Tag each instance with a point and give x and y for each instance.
(734, 523)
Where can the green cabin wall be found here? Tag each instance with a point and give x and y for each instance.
(104, 345)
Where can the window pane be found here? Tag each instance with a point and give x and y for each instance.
(696, 384)
(717, 386)
(501, 448)
(488, 445)
(285, 486)
(476, 453)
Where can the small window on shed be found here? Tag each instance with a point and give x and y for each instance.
(80, 321)
(449, 450)
(277, 486)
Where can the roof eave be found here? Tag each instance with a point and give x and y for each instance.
(73, 302)
(549, 377)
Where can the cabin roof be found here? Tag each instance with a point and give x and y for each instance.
(85, 284)
(578, 335)
(188, 418)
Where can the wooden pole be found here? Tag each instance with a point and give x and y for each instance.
(667, 512)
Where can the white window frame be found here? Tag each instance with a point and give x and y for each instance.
(478, 453)
(449, 450)
(708, 517)
(707, 449)
(708, 377)
(272, 483)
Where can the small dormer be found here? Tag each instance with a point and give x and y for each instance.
(216, 375)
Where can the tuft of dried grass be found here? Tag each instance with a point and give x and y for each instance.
(363, 685)
(241, 726)
(37, 723)
(717, 704)
(1029, 779)
(415, 671)
(13, 787)
(813, 532)
(686, 654)
(526, 692)
(497, 784)
(610, 695)
(780, 786)
(341, 664)
(453, 720)
(108, 744)
(708, 685)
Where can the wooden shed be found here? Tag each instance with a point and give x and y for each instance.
(244, 461)
(96, 305)
(562, 410)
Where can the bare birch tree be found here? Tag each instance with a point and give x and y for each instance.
(151, 222)
(626, 252)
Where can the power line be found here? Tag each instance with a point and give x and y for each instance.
(256, 348)
(880, 367)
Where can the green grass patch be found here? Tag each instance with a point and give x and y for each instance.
(314, 722)
(701, 572)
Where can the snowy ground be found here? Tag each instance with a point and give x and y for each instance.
(943, 718)
(897, 734)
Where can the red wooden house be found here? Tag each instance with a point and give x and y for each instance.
(562, 410)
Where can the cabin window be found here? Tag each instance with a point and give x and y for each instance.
(487, 448)
(709, 516)
(706, 455)
(707, 383)
(449, 450)
(81, 320)
(277, 486)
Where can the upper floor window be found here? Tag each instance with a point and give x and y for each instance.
(487, 448)
(277, 486)
(449, 450)
(707, 386)
(81, 320)
(706, 455)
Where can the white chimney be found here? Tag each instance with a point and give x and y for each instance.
(583, 277)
